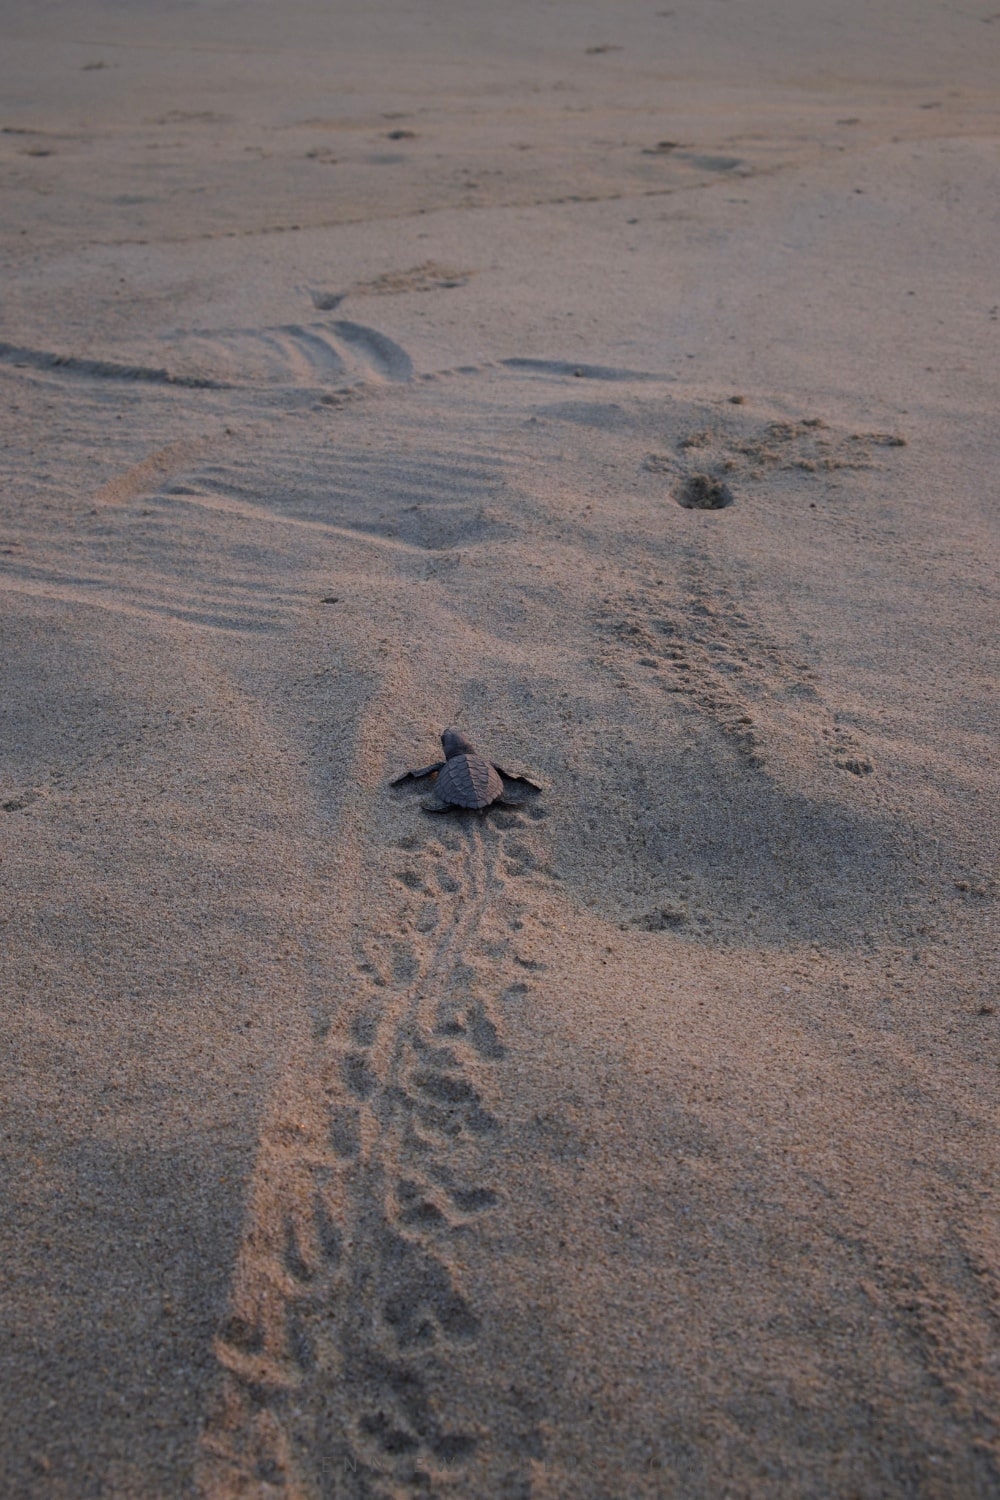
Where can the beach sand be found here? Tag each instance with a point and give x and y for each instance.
(365, 371)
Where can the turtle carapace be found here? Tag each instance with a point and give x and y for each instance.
(465, 779)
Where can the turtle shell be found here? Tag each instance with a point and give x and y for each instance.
(468, 781)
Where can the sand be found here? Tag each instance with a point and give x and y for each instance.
(365, 371)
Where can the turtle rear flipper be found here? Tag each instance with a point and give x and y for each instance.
(516, 776)
(416, 775)
(510, 801)
(434, 804)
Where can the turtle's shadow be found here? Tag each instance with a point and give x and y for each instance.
(722, 852)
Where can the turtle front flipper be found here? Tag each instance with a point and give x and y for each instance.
(416, 775)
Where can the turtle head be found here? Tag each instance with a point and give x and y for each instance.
(455, 744)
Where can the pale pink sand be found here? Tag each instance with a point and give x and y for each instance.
(638, 1143)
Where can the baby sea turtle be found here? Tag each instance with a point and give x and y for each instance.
(464, 778)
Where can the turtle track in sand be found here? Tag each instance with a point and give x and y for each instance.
(349, 1358)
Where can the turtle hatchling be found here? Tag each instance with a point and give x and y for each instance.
(465, 779)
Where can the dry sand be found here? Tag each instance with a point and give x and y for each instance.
(353, 359)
